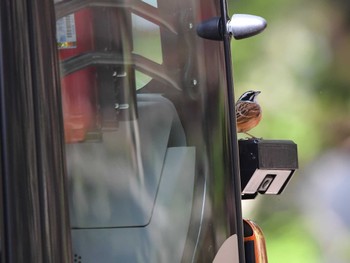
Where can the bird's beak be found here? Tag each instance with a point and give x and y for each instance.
(257, 92)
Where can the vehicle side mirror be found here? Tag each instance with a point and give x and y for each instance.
(266, 166)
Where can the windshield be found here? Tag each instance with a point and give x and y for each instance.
(145, 130)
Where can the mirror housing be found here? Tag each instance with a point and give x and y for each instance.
(240, 26)
(266, 166)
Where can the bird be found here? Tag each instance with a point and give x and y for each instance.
(248, 112)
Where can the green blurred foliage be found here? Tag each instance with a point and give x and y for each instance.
(289, 243)
(285, 62)
(301, 63)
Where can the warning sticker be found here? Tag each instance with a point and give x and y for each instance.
(66, 34)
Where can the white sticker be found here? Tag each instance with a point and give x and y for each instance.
(66, 34)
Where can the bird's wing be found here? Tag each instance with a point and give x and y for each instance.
(245, 111)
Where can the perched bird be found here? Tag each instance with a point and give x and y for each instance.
(248, 112)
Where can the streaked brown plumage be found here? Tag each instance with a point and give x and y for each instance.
(248, 112)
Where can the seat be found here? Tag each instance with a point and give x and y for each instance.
(133, 189)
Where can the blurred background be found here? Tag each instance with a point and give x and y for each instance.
(301, 64)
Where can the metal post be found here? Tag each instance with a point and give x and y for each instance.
(34, 208)
(236, 209)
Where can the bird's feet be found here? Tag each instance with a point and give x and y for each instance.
(252, 137)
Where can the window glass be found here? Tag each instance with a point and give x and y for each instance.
(141, 79)
(151, 2)
(142, 104)
(146, 37)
